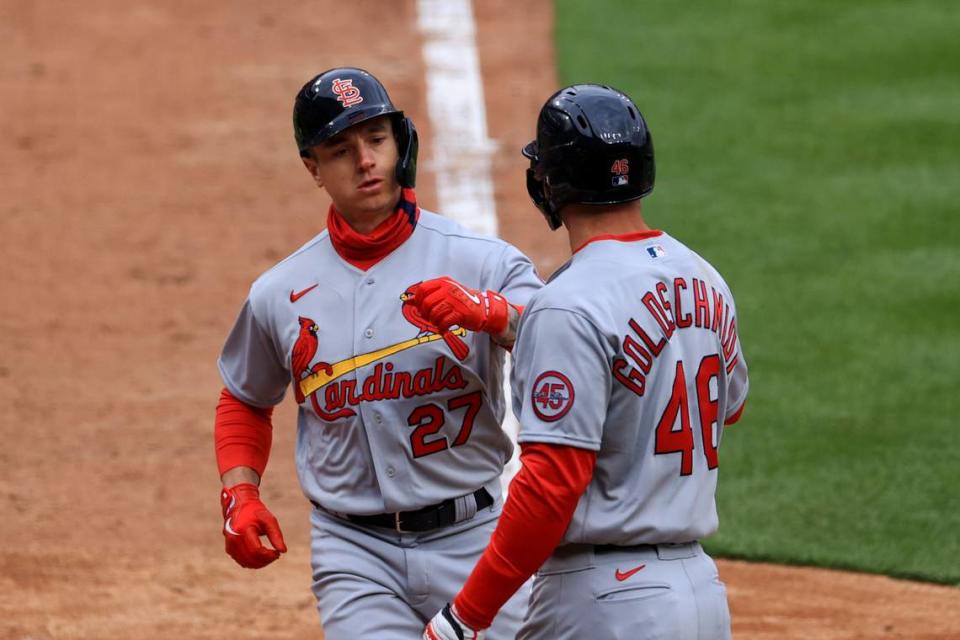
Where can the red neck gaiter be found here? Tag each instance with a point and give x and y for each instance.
(365, 250)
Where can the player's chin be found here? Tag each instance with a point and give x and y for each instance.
(384, 198)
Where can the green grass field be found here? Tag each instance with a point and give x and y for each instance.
(811, 151)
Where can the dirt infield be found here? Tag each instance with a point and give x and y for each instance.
(149, 174)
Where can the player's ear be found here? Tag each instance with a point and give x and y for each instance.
(312, 166)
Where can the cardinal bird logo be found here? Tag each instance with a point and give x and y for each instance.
(412, 314)
(304, 349)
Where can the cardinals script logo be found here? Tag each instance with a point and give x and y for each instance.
(339, 394)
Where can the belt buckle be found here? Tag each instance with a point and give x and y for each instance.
(396, 523)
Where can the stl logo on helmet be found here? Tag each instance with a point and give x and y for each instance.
(552, 396)
(621, 172)
(347, 94)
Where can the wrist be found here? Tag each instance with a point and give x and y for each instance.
(240, 475)
(497, 312)
(508, 334)
(462, 614)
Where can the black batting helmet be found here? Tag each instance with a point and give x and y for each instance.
(340, 98)
(592, 147)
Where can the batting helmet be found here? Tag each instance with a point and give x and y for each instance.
(340, 98)
(592, 147)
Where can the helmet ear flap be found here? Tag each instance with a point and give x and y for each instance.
(535, 189)
(408, 144)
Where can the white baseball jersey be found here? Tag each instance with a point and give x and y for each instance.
(393, 415)
(631, 350)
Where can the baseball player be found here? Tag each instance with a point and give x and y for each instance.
(627, 367)
(399, 445)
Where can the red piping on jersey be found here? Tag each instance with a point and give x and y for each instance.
(542, 499)
(242, 434)
(363, 250)
(623, 237)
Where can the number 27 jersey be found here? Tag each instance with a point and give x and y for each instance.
(632, 350)
(394, 415)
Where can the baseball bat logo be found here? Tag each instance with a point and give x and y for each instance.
(310, 377)
(452, 339)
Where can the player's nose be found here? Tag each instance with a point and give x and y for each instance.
(365, 159)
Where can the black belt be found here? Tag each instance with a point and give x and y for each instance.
(576, 549)
(600, 549)
(432, 517)
(666, 550)
(576, 556)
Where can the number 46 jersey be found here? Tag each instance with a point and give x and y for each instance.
(631, 350)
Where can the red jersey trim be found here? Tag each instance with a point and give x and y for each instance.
(623, 237)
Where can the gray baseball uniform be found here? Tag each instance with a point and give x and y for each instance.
(631, 350)
(394, 416)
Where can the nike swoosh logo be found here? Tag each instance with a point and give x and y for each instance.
(229, 528)
(473, 297)
(623, 575)
(296, 296)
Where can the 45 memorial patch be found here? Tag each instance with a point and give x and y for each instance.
(552, 396)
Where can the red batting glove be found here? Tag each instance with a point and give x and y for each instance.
(245, 519)
(445, 302)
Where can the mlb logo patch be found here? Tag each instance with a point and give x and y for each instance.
(620, 172)
(656, 251)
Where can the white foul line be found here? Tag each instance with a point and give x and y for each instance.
(460, 146)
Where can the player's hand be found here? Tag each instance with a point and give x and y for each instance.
(245, 519)
(447, 625)
(445, 302)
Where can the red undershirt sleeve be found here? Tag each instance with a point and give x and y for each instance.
(242, 434)
(736, 415)
(540, 504)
